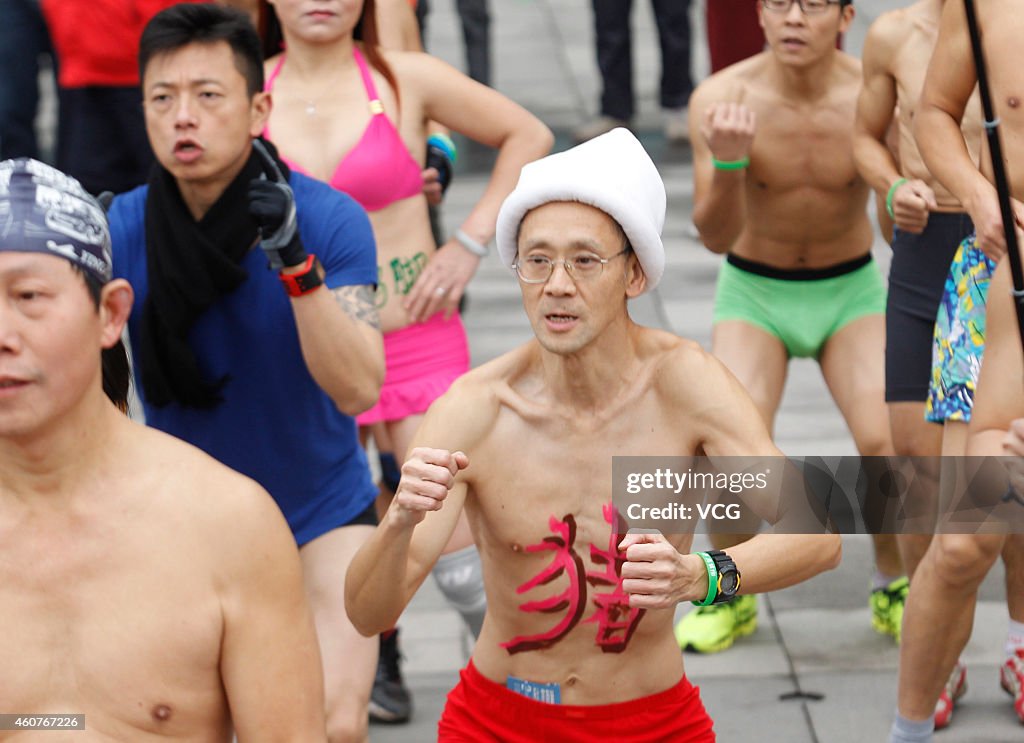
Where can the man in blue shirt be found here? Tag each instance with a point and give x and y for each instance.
(262, 369)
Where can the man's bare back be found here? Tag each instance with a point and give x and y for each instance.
(124, 595)
(805, 201)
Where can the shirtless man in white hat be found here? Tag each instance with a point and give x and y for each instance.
(525, 445)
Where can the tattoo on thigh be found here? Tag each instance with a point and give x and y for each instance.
(358, 303)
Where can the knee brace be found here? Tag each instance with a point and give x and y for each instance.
(461, 580)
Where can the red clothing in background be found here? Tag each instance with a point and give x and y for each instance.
(97, 41)
(733, 31)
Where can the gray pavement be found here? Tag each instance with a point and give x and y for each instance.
(815, 637)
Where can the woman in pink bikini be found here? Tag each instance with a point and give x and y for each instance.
(353, 115)
(350, 114)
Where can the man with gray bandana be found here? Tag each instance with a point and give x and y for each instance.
(130, 596)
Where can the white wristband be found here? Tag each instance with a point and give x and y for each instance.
(470, 244)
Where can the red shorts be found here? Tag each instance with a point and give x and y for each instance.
(481, 711)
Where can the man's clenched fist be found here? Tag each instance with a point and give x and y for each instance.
(427, 476)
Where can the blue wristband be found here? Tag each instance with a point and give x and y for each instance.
(444, 143)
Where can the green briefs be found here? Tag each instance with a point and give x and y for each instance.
(803, 308)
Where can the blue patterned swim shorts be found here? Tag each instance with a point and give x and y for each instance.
(959, 340)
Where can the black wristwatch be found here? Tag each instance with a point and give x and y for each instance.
(723, 577)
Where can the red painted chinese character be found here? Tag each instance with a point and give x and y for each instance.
(616, 621)
(572, 599)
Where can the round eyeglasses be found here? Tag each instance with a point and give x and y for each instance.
(537, 269)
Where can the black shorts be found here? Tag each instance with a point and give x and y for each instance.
(366, 517)
(917, 277)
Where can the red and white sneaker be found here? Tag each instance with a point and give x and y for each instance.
(955, 688)
(1011, 678)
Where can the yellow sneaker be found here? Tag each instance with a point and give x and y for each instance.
(712, 629)
(887, 606)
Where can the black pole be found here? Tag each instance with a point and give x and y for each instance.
(1002, 183)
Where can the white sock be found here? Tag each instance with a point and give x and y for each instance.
(911, 731)
(1014, 638)
(880, 580)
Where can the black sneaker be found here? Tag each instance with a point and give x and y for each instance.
(390, 700)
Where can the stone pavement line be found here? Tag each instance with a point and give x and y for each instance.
(798, 693)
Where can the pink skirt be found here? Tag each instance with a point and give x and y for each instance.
(421, 362)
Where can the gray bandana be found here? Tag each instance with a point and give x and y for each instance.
(42, 210)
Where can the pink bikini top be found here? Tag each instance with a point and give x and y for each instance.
(379, 170)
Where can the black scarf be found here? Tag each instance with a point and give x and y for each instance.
(190, 265)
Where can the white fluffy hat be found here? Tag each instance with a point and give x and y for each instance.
(612, 172)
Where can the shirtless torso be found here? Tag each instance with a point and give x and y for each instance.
(804, 200)
(1006, 81)
(945, 102)
(132, 598)
(560, 476)
(930, 221)
(142, 584)
(531, 437)
(524, 445)
(918, 27)
(547, 505)
(896, 54)
(776, 187)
